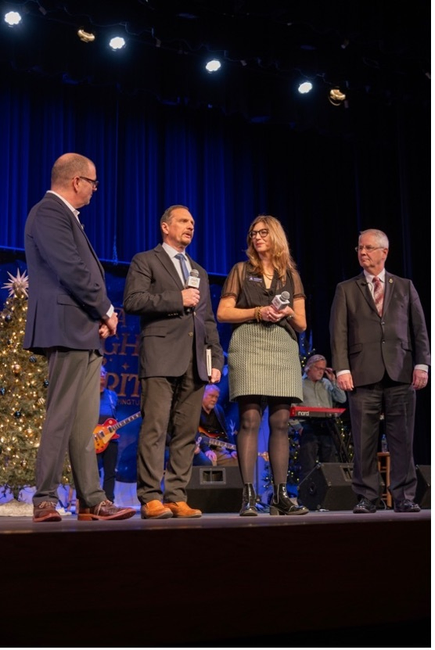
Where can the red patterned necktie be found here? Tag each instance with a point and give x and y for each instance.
(378, 294)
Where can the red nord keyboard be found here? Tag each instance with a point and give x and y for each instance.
(300, 411)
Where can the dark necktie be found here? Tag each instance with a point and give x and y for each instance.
(378, 294)
(183, 264)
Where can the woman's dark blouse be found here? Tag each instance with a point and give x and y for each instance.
(249, 290)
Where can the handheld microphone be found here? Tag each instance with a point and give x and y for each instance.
(193, 279)
(281, 300)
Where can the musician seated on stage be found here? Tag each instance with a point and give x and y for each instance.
(107, 459)
(213, 427)
(316, 435)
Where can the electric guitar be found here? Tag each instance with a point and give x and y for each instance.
(103, 433)
(225, 445)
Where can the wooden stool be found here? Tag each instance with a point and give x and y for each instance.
(384, 470)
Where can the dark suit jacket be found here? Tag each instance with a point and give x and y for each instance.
(153, 292)
(367, 344)
(67, 292)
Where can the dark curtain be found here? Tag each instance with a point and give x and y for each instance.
(326, 175)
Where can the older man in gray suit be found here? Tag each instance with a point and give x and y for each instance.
(68, 315)
(380, 352)
(178, 330)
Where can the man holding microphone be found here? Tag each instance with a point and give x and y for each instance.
(177, 328)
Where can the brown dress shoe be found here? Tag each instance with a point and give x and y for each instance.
(104, 510)
(155, 510)
(181, 509)
(46, 511)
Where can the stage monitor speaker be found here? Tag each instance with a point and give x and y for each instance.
(215, 489)
(422, 496)
(328, 487)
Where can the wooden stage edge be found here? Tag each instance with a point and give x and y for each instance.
(326, 579)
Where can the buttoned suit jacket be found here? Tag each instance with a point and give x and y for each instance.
(153, 292)
(67, 291)
(368, 344)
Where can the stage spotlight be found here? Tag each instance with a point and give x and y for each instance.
(305, 87)
(12, 18)
(213, 65)
(86, 37)
(117, 43)
(336, 97)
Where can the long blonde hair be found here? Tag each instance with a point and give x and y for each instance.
(281, 257)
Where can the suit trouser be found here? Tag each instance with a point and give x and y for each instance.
(366, 404)
(73, 401)
(107, 460)
(169, 405)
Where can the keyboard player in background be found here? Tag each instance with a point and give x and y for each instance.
(315, 433)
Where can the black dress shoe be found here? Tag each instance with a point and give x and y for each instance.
(406, 506)
(364, 506)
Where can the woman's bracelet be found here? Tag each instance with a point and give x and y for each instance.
(257, 314)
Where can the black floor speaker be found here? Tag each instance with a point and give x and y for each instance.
(328, 487)
(215, 489)
(422, 496)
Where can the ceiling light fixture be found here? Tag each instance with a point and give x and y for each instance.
(336, 97)
(305, 87)
(213, 65)
(86, 37)
(12, 18)
(117, 43)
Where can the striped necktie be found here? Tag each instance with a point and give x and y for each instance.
(378, 294)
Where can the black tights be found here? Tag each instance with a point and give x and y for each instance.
(250, 413)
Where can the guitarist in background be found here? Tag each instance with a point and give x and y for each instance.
(213, 424)
(108, 458)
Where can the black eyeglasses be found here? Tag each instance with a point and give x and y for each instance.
(262, 233)
(93, 182)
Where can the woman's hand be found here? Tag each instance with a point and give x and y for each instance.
(271, 314)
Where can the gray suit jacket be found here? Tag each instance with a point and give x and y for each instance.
(67, 291)
(153, 292)
(367, 344)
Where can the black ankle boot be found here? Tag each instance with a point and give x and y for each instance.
(282, 504)
(249, 501)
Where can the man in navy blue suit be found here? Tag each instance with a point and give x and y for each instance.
(69, 313)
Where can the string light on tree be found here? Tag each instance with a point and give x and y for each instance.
(23, 389)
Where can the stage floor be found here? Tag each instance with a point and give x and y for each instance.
(69, 522)
(325, 579)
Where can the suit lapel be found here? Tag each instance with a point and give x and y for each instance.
(363, 286)
(168, 264)
(91, 248)
(76, 224)
(388, 291)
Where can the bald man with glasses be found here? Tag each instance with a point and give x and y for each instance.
(69, 314)
(380, 352)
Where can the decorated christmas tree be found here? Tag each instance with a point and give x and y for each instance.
(23, 392)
